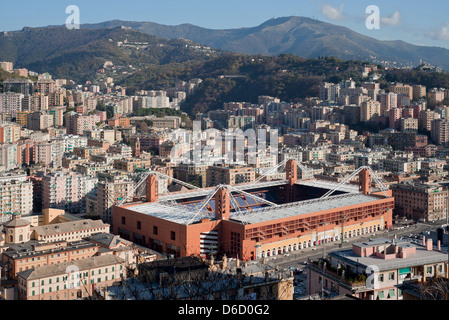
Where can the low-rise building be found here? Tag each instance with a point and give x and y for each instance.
(33, 254)
(69, 231)
(70, 280)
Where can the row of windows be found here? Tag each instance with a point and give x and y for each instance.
(53, 256)
(310, 243)
(155, 229)
(77, 276)
(78, 284)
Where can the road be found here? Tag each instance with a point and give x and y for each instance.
(296, 259)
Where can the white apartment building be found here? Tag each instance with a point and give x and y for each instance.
(16, 196)
(8, 157)
(11, 103)
(70, 141)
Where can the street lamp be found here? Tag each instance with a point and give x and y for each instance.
(324, 227)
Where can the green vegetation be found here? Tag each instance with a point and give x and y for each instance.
(79, 54)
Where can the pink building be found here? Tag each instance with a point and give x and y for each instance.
(76, 123)
(395, 115)
(387, 102)
(66, 191)
(103, 115)
(377, 269)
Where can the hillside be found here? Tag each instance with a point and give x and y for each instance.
(78, 54)
(300, 36)
(236, 77)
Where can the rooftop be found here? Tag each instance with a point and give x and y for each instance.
(182, 214)
(421, 257)
(71, 226)
(61, 268)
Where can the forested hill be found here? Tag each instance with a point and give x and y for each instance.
(79, 54)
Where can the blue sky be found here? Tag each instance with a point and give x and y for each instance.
(418, 22)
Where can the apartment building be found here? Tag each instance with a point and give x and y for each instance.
(70, 280)
(39, 120)
(425, 202)
(425, 119)
(191, 173)
(16, 195)
(440, 132)
(45, 87)
(131, 164)
(23, 86)
(69, 142)
(7, 66)
(49, 154)
(77, 123)
(9, 133)
(419, 91)
(436, 96)
(401, 88)
(387, 102)
(229, 175)
(11, 103)
(407, 124)
(369, 109)
(110, 192)
(66, 191)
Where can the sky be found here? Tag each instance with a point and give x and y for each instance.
(417, 22)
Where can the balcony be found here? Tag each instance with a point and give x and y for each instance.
(352, 282)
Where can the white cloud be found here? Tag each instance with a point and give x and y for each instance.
(333, 13)
(392, 20)
(441, 34)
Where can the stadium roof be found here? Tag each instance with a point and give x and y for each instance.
(182, 215)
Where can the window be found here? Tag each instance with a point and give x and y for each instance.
(155, 230)
(391, 276)
(172, 235)
(139, 225)
(391, 293)
(380, 295)
(429, 270)
(123, 220)
(381, 278)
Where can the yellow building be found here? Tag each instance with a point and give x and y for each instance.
(21, 118)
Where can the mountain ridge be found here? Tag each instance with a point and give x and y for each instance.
(301, 36)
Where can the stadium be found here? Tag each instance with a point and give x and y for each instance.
(256, 220)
